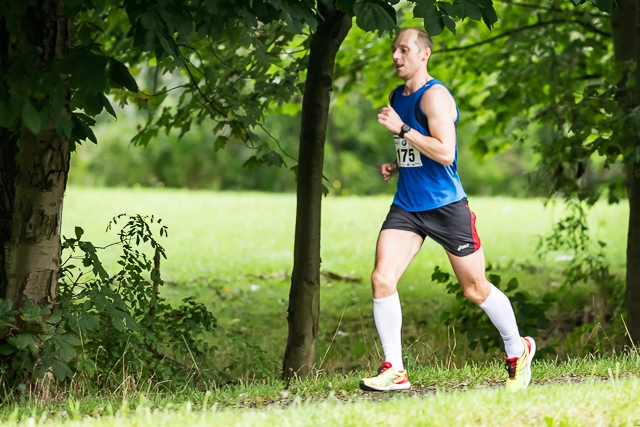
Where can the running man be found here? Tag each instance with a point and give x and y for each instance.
(430, 201)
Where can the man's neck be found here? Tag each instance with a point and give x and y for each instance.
(413, 84)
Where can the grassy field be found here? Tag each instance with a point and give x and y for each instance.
(234, 252)
(579, 392)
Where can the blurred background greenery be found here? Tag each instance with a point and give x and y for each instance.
(356, 145)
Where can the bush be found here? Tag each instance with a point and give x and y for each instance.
(108, 327)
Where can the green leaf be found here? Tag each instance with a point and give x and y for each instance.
(603, 5)
(375, 16)
(449, 23)
(32, 312)
(346, 6)
(119, 76)
(86, 365)
(24, 341)
(65, 347)
(87, 70)
(7, 349)
(31, 117)
(466, 8)
(81, 131)
(149, 20)
(107, 105)
(79, 232)
(489, 15)
(64, 126)
(59, 369)
(427, 10)
(273, 159)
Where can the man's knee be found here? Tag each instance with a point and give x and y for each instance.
(476, 290)
(383, 284)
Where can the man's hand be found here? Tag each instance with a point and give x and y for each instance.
(390, 119)
(388, 170)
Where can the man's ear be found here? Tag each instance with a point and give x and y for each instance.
(426, 54)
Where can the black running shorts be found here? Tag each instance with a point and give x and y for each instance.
(452, 226)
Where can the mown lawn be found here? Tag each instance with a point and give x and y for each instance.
(579, 392)
(234, 252)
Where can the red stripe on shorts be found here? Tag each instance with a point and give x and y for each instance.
(474, 232)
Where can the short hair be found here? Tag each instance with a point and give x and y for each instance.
(423, 39)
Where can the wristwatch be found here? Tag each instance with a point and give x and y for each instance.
(405, 128)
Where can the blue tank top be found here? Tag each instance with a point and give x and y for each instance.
(423, 183)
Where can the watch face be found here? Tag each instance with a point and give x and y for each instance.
(406, 128)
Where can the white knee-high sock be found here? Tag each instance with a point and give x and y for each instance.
(500, 312)
(387, 314)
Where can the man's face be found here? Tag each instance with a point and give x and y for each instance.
(408, 57)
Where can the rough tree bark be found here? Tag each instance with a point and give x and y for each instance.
(42, 168)
(8, 152)
(625, 29)
(304, 295)
(8, 169)
(632, 298)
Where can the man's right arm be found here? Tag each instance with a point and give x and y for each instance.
(388, 170)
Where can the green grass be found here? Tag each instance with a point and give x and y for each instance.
(234, 251)
(580, 392)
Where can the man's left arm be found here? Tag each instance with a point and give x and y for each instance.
(440, 109)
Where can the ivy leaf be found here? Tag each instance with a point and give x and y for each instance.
(119, 76)
(31, 117)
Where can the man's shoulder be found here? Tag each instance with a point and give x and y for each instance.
(437, 93)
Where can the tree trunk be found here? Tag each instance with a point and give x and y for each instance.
(625, 27)
(632, 297)
(8, 170)
(304, 295)
(42, 169)
(8, 152)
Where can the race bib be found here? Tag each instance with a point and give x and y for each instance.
(408, 156)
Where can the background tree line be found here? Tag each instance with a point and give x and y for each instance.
(355, 147)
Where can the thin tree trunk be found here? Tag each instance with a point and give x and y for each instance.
(304, 296)
(632, 297)
(625, 27)
(8, 151)
(8, 170)
(43, 166)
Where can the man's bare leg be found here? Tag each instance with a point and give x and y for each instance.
(470, 271)
(394, 252)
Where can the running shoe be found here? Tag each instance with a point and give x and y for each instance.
(519, 368)
(387, 379)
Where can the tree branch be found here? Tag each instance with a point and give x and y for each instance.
(522, 29)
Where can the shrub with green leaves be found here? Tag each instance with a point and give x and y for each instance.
(471, 320)
(106, 327)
